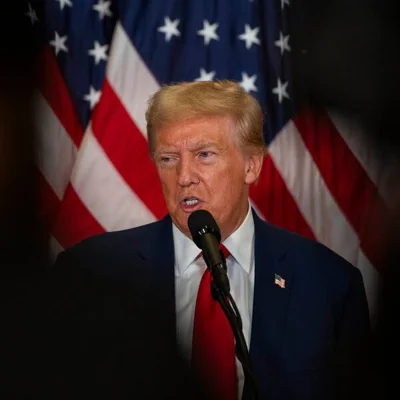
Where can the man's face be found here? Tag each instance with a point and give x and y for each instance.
(201, 166)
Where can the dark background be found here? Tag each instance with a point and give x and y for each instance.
(345, 56)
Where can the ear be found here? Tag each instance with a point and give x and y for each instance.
(254, 164)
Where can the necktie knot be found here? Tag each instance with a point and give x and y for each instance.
(224, 250)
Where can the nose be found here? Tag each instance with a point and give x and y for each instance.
(186, 172)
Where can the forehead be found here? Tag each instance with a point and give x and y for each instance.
(190, 133)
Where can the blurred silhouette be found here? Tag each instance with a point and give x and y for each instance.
(21, 245)
(68, 331)
(346, 59)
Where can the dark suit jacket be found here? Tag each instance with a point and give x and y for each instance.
(308, 340)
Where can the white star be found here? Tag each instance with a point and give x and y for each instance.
(250, 36)
(93, 97)
(205, 76)
(98, 52)
(283, 2)
(248, 82)
(59, 43)
(280, 90)
(170, 28)
(283, 43)
(103, 8)
(64, 3)
(32, 14)
(209, 32)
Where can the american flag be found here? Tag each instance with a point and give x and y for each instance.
(103, 59)
(278, 280)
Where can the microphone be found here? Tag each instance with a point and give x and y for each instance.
(207, 236)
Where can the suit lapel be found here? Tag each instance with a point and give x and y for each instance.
(158, 248)
(270, 303)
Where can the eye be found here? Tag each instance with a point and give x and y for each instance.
(165, 160)
(205, 154)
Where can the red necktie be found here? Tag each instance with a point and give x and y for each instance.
(213, 352)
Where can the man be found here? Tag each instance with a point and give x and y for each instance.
(303, 308)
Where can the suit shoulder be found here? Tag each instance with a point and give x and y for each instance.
(315, 272)
(110, 244)
(314, 256)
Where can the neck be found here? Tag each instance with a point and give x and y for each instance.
(225, 233)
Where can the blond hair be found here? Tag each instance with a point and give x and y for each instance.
(188, 100)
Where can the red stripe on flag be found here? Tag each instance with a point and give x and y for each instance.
(74, 221)
(273, 199)
(127, 149)
(55, 91)
(355, 193)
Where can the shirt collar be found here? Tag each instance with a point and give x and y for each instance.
(239, 243)
(186, 251)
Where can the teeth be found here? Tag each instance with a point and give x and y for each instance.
(191, 202)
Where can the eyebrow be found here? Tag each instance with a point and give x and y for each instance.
(169, 150)
(197, 147)
(204, 145)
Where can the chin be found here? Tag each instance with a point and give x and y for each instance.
(181, 222)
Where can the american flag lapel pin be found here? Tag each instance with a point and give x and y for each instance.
(279, 281)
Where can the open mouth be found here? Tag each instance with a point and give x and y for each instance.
(191, 201)
(189, 204)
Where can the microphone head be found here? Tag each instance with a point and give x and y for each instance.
(201, 222)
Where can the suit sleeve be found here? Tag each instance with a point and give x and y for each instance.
(108, 336)
(354, 345)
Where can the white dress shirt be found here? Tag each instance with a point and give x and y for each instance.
(189, 269)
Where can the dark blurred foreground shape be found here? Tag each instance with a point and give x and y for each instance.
(21, 245)
(347, 58)
(64, 334)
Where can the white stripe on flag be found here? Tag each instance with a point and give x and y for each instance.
(56, 153)
(382, 171)
(372, 281)
(130, 78)
(255, 208)
(103, 191)
(54, 249)
(317, 205)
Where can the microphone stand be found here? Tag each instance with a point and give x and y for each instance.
(231, 311)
